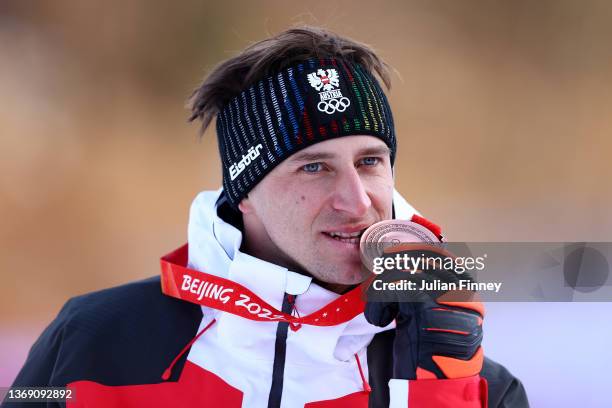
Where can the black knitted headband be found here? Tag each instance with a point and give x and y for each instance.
(302, 105)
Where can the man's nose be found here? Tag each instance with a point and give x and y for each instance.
(350, 195)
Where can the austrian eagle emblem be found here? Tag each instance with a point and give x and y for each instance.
(327, 79)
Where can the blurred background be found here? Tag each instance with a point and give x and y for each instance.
(503, 111)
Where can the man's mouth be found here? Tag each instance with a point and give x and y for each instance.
(346, 237)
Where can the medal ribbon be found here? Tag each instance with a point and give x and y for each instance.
(225, 295)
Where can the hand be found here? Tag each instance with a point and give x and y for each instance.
(435, 338)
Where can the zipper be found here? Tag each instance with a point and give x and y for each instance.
(280, 353)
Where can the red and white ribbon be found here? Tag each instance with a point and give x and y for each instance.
(225, 295)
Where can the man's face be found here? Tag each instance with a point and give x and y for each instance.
(309, 212)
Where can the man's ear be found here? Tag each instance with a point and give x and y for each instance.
(245, 205)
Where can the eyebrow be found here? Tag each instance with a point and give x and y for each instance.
(317, 156)
(375, 151)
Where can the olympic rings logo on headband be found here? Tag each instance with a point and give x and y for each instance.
(334, 105)
(327, 82)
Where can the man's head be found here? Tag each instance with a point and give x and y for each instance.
(307, 145)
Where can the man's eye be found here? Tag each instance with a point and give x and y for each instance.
(312, 167)
(370, 161)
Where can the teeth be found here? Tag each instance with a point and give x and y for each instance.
(346, 234)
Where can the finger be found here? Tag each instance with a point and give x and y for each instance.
(380, 313)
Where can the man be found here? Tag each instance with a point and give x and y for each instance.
(261, 310)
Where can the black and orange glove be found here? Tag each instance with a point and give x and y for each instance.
(435, 338)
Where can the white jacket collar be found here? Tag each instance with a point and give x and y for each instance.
(214, 247)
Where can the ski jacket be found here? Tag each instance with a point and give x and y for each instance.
(133, 346)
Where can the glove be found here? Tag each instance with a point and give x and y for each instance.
(435, 338)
